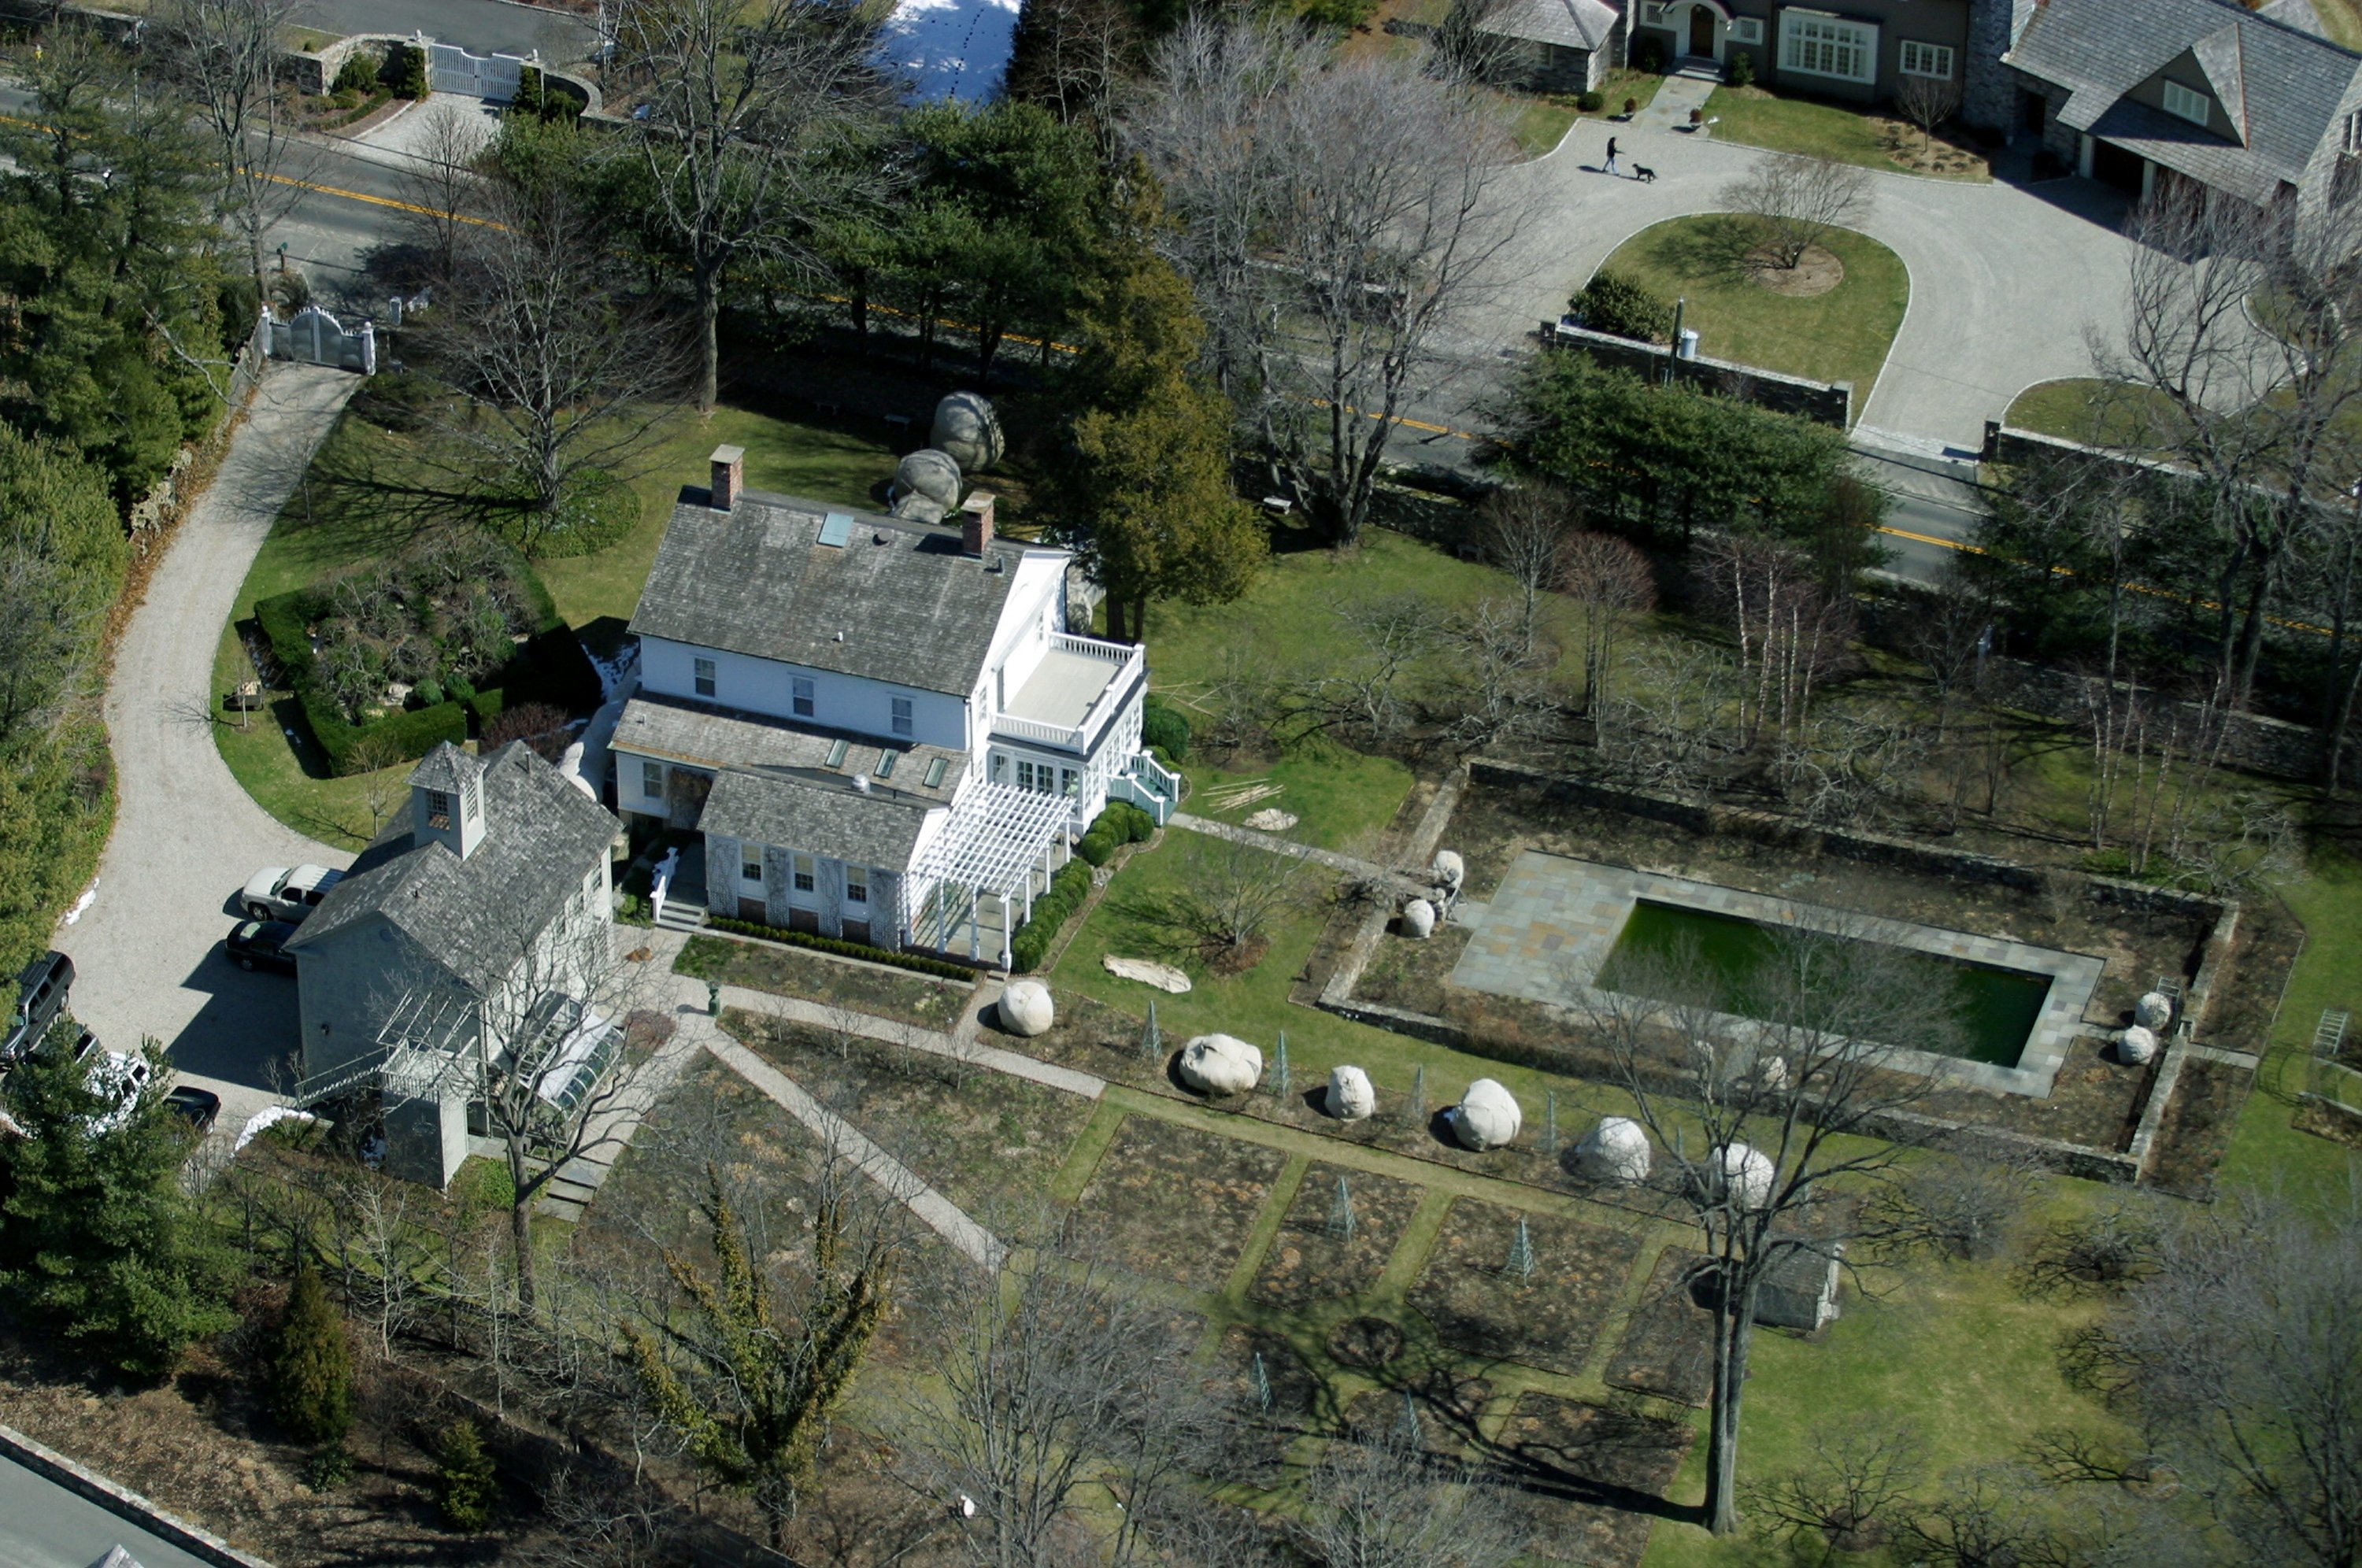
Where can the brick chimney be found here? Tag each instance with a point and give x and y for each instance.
(729, 476)
(976, 522)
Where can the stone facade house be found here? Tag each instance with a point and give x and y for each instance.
(1554, 45)
(881, 730)
(485, 904)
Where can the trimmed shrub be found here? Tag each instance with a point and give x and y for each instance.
(1138, 826)
(1164, 729)
(1615, 303)
(1648, 55)
(405, 68)
(1741, 69)
(311, 1366)
(918, 963)
(359, 75)
(465, 1484)
(1072, 883)
(1591, 103)
(1095, 847)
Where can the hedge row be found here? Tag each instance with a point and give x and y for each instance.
(1164, 729)
(1120, 824)
(911, 961)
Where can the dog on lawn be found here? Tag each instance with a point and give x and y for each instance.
(1643, 174)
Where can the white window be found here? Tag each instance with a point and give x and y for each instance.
(702, 669)
(1024, 775)
(652, 779)
(2183, 104)
(1068, 782)
(2354, 132)
(803, 873)
(803, 696)
(856, 885)
(750, 866)
(1926, 59)
(438, 810)
(1746, 29)
(1000, 769)
(1824, 46)
(902, 725)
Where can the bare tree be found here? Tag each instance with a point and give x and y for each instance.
(1341, 224)
(442, 183)
(1611, 584)
(1497, 685)
(1791, 631)
(564, 376)
(1993, 1515)
(748, 110)
(1927, 102)
(1370, 695)
(1380, 1500)
(1858, 1484)
(227, 55)
(1794, 203)
(1524, 531)
(1957, 1207)
(1467, 47)
(1798, 1095)
(1229, 896)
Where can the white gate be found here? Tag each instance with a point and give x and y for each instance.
(315, 337)
(491, 77)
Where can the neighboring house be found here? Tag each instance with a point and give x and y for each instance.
(2253, 104)
(1554, 45)
(1863, 50)
(883, 732)
(465, 917)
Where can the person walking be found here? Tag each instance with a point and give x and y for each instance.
(1611, 168)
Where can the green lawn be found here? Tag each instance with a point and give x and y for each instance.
(1543, 120)
(2341, 19)
(1760, 119)
(1840, 335)
(2089, 409)
(315, 537)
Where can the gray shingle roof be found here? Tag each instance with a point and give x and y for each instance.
(831, 820)
(913, 610)
(2284, 83)
(705, 736)
(542, 836)
(446, 768)
(1578, 24)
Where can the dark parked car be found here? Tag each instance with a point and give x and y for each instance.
(199, 1106)
(41, 990)
(260, 945)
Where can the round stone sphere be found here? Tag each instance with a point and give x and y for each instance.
(1486, 1117)
(1450, 870)
(1221, 1065)
(1419, 920)
(1025, 1009)
(926, 485)
(1742, 1173)
(1351, 1096)
(969, 430)
(2137, 1045)
(2154, 1011)
(1617, 1150)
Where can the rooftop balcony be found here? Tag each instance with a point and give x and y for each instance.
(1073, 695)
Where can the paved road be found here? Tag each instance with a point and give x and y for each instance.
(42, 1525)
(483, 27)
(2006, 279)
(147, 952)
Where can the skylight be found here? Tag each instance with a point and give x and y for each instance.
(935, 772)
(885, 760)
(836, 753)
(836, 529)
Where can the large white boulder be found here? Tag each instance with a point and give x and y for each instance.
(1419, 920)
(1617, 1150)
(1221, 1065)
(2153, 1011)
(1486, 1117)
(926, 485)
(2137, 1045)
(1742, 1174)
(968, 430)
(1351, 1096)
(1025, 1009)
(1450, 870)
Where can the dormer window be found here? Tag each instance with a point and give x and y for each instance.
(438, 810)
(836, 750)
(2184, 104)
(703, 674)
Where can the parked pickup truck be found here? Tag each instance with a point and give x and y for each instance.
(276, 893)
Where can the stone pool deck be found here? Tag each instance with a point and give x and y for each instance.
(1551, 925)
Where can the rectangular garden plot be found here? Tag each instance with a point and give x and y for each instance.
(1590, 1479)
(1175, 1203)
(1316, 1257)
(1482, 1305)
(1668, 1346)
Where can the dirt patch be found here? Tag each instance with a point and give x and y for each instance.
(1447, 1405)
(1298, 1398)
(1668, 1347)
(2196, 1129)
(1175, 1203)
(1412, 975)
(2326, 1118)
(1546, 1318)
(1310, 1260)
(1816, 271)
(1590, 1478)
(1365, 1344)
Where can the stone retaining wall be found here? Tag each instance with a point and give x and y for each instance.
(1831, 403)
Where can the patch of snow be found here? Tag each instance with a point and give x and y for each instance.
(89, 897)
(270, 1116)
(620, 676)
(951, 49)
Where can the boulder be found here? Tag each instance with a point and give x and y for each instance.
(968, 430)
(1148, 972)
(1617, 1150)
(1773, 1075)
(1271, 819)
(1221, 1065)
(2153, 1011)
(1486, 1117)
(2137, 1045)
(1025, 1009)
(1419, 920)
(926, 486)
(1742, 1174)
(1450, 870)
(1351, 1096)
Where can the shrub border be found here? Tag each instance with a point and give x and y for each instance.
(918, 963)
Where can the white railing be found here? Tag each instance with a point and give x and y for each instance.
(1093, 647)
(1065, 735)
(1158, 777)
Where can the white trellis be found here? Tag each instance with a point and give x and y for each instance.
(998, 840)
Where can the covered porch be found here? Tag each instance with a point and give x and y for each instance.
(975, 882)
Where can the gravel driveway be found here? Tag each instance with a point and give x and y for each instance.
(2006, 279)
(147, 951)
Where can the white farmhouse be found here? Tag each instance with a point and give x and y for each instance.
(883, 732)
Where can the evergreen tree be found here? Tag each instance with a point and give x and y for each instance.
(465, 1482)
(97, 1240)
(311, 1366)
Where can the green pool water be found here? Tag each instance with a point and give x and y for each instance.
(1996, 1008)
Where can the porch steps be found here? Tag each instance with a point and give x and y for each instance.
(1700, 67)
(680, 914)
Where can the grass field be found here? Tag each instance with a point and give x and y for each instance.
(1840, 335)
(1758, 118)
(2086, 408)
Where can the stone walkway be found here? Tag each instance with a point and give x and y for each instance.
(1369, 870)
(1670, 109)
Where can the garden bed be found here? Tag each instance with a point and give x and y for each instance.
(885, 985)
(1668, 1347)
(1547, 1318)
(1308, 1261)
(1590, 1479)
(1173, 1203)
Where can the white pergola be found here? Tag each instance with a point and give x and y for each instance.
(998, 840)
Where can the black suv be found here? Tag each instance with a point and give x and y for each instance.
(260, 945)
(41, 990)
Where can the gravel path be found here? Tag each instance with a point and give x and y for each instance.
(147, 952)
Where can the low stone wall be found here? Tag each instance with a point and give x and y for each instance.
(1831, 403)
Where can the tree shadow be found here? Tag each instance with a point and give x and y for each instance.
(1715, 248)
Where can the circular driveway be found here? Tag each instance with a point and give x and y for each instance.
(2008, 282)
(147, 952)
